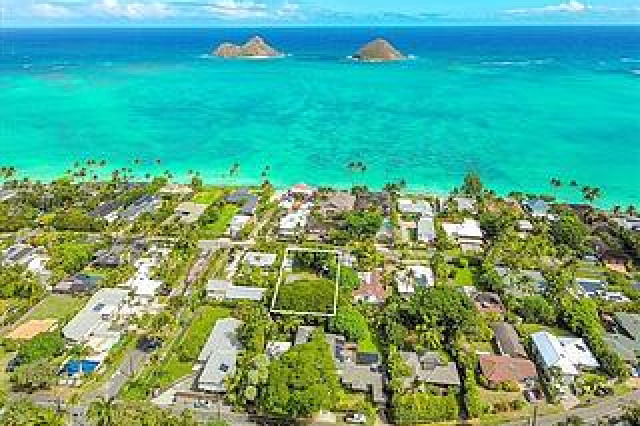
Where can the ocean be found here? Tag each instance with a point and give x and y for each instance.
(517, 105)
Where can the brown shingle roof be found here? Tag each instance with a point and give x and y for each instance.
(498, 369)
(508, 340)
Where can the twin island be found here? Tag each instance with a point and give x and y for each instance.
(378, 50)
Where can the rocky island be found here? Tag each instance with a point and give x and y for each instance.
(379, 50)
(256, 47)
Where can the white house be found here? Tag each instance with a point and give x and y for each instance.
(294, 222)
(260, 260)
(238, 222)
(225, 290)
(468, 234)
(568, 356)
(426, 230)
(413, 277)
(419, 207)
(97, 316)
(218, 356)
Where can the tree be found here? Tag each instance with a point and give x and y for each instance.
(351, 323)
(472, 185)
(570, 231)
(41, 374)
(301, 382)
(537, 309)
(26, 413)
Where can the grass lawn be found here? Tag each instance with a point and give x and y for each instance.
(306, 295)
(219, 227)
(528, 329)
(57, 306)
(209, 195)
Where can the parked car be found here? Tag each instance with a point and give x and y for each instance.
(356, 418)
(14, 363)
(149, 344)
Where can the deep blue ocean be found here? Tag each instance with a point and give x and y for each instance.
(519, 105)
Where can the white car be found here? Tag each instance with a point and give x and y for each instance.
(356, 418)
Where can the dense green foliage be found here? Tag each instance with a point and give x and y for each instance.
(301, 382)
(420, 407)
(306, 295)
(569, 231)
(16, 282)
(536, 309)
(26, 413)
(76, 220)
(358, 226)
(42, 346)
(350, 323)
(70, 257)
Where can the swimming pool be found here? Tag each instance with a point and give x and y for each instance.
(80, 366)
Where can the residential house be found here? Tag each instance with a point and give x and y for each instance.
(359, 370)
(538, 208)
(238, 222)
(498, 369)
(78, 284)
(7, 194)
(431, 369)
(415, 207)
(337, 202)
(521, 283)
(176, 189)
(143, 287)
(225, 290)
(17, 254)
(630, 223)
(244, 198)
(144, 204)
(597, 289)
(260, 260)
(275, 350)
(218, 357)
(189, 213)
(302, 190)
(108, 211)
(465, 204)
(112, 257)
(426, 230)
(413, 277)
(366, 200)
(467, 234)
(562, 358)
(294, 222)
(371, 288)
(97, 317)
(508, 341)
(524, 226)
(486, 302)
(625, 340)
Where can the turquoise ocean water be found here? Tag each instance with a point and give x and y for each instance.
(517, 105)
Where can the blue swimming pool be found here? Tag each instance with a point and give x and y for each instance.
(80, 366)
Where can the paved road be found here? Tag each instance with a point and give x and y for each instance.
(132, 363)
(610, 407)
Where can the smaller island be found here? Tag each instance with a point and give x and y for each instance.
(256, 47)
(379, 50)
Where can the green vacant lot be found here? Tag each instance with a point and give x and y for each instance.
(306, 295)
(218, 228)
(209, 195)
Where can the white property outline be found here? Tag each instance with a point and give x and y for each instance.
(338, 253)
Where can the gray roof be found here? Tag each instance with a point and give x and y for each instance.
(250, 206)
(105, 209)
(219, 355)
(233, 292)
(628, 349)
(17, 253)
(190, 212)
(91, 318)
(260, 259)
(512, 279)
(590, 286)
(508, 340)
(537, 206)
(144, 204)
(629, 323)
(430, 368)
(303, 334)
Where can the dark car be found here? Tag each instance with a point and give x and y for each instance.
(14, 364)
(149, 344)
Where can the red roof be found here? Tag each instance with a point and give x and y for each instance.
(371, 288)
(499, 369)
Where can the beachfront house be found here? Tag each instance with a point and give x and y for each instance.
(412, 278)
(538, 208)
(7, 194)
(225, 290)
(467, 234)
(420, 208)
(336, 202)
(562, 359)
(247, 201)
(293, 223)
(630, 223)
(217, 359)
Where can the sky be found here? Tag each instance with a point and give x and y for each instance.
(315, 12)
